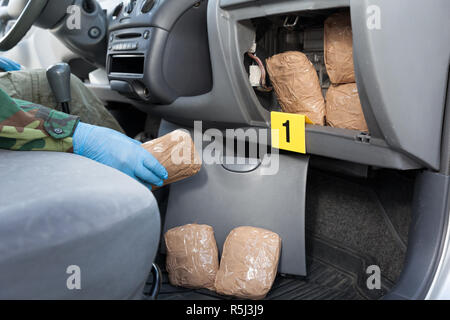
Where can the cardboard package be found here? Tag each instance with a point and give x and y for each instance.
(296, 85)
(176, 152)
(249, 263)
(338, 48)
(344, 108)
(192, 256)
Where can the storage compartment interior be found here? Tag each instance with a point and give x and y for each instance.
(303, 31)
(131, 64)
(300, 31)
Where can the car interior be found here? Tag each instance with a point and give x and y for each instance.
(354, 200)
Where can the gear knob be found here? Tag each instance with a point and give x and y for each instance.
(58, 77)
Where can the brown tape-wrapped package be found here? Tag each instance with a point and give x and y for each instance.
(249, 263)
(296, 84)
(344, 108)
(192, 256)
(176, 152)
(338, 48)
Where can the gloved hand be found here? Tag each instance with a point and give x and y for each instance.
(9, 65)
(118, 151)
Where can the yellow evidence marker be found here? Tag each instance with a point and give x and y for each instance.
(288, 131)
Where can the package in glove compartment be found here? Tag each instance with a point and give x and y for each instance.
(338, 48)
(344, 108)
(297, 85)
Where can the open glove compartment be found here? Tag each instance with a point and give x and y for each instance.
(402, 91)
(401, 71)
(401, 88)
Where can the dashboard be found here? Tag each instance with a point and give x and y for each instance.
(184, 61)
(187, 61)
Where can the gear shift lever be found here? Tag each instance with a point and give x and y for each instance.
(58, 77)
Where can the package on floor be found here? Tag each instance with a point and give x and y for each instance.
(192, 256)
(249, 263)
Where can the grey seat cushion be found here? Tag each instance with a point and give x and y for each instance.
(59, 210)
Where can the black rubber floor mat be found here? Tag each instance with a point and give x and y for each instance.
(347, 261)
(324, 282)
(334, 273)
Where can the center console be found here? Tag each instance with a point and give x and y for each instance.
(158, 50)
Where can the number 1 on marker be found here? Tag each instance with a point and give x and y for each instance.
(288, 133)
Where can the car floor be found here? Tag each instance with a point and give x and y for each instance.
(325, 280)
(351, 223)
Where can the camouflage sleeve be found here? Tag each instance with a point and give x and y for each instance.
(25, 126)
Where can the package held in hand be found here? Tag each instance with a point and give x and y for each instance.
(176, 152)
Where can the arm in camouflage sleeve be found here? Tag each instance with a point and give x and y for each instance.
(25, 126)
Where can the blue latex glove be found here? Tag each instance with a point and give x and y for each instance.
(118, 151)
(9, 65)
